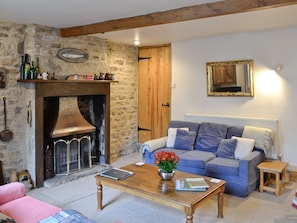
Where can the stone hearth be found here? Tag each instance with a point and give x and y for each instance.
(59, 179)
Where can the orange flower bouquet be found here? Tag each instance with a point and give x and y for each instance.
(166, 161)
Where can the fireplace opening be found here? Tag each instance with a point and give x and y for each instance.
(74, 133)
(72, 155)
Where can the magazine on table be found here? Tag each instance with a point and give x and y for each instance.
(183, 185)
(197, 182)
(116, 173)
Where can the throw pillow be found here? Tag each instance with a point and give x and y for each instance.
(184, 139)
(172, 135)
(244, 147)
(226, 148)
(209, 136)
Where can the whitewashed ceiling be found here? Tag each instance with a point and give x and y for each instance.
(68, 13)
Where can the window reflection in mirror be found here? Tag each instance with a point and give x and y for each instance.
(230, 78)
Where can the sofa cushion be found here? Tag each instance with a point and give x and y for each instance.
(244, 147)
(28, 209)
(195, 158)
(234, 131)
(226, 148)
(223, 166)
(172, 136)
(11, 191)
(184, 140)
(209, 136)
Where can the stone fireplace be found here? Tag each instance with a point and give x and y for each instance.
(50, 90)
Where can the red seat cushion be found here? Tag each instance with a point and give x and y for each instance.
(28, 210)
(11, 191)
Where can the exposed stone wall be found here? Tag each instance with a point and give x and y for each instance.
(124, 100)
(44, 42)
(12, 153)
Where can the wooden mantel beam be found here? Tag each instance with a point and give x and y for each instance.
(176, 15)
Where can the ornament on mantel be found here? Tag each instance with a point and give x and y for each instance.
(13, 176)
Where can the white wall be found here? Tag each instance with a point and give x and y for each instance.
(275, 96)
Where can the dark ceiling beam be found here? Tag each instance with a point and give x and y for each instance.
(176, 15)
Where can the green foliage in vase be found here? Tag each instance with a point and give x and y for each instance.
(166, 161)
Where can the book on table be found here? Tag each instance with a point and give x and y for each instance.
(191, 184)
(197, 182)
(116, 173)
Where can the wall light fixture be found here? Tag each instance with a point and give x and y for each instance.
(278, 68)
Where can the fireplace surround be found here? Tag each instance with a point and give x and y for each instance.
(59, 88)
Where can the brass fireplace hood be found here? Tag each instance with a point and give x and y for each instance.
(70, 120)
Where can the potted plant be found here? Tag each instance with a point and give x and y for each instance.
(167, 162)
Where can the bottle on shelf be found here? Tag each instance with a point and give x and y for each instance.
(37, 68)
(22, 68)
(32, 72)
(27, 67)
(29, 70)
(53, 77)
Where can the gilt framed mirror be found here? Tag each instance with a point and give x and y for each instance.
(230, 78)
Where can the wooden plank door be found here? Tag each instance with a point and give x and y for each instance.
(154, 92)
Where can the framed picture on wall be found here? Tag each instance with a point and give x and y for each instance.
(230, 78)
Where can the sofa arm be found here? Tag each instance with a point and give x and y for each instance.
(11, 191)
(154, 144)
(248, 166)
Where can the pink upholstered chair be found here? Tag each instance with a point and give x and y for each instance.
(23, 209)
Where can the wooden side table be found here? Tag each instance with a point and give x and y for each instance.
(277, 168)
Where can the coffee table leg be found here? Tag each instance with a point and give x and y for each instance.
(189, 213)
(220, 204)
(99, 196)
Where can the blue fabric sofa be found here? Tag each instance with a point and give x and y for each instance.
(209, 149)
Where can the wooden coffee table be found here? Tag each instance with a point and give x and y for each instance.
(146, 183)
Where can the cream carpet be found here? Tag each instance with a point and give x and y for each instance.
(123, 208)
